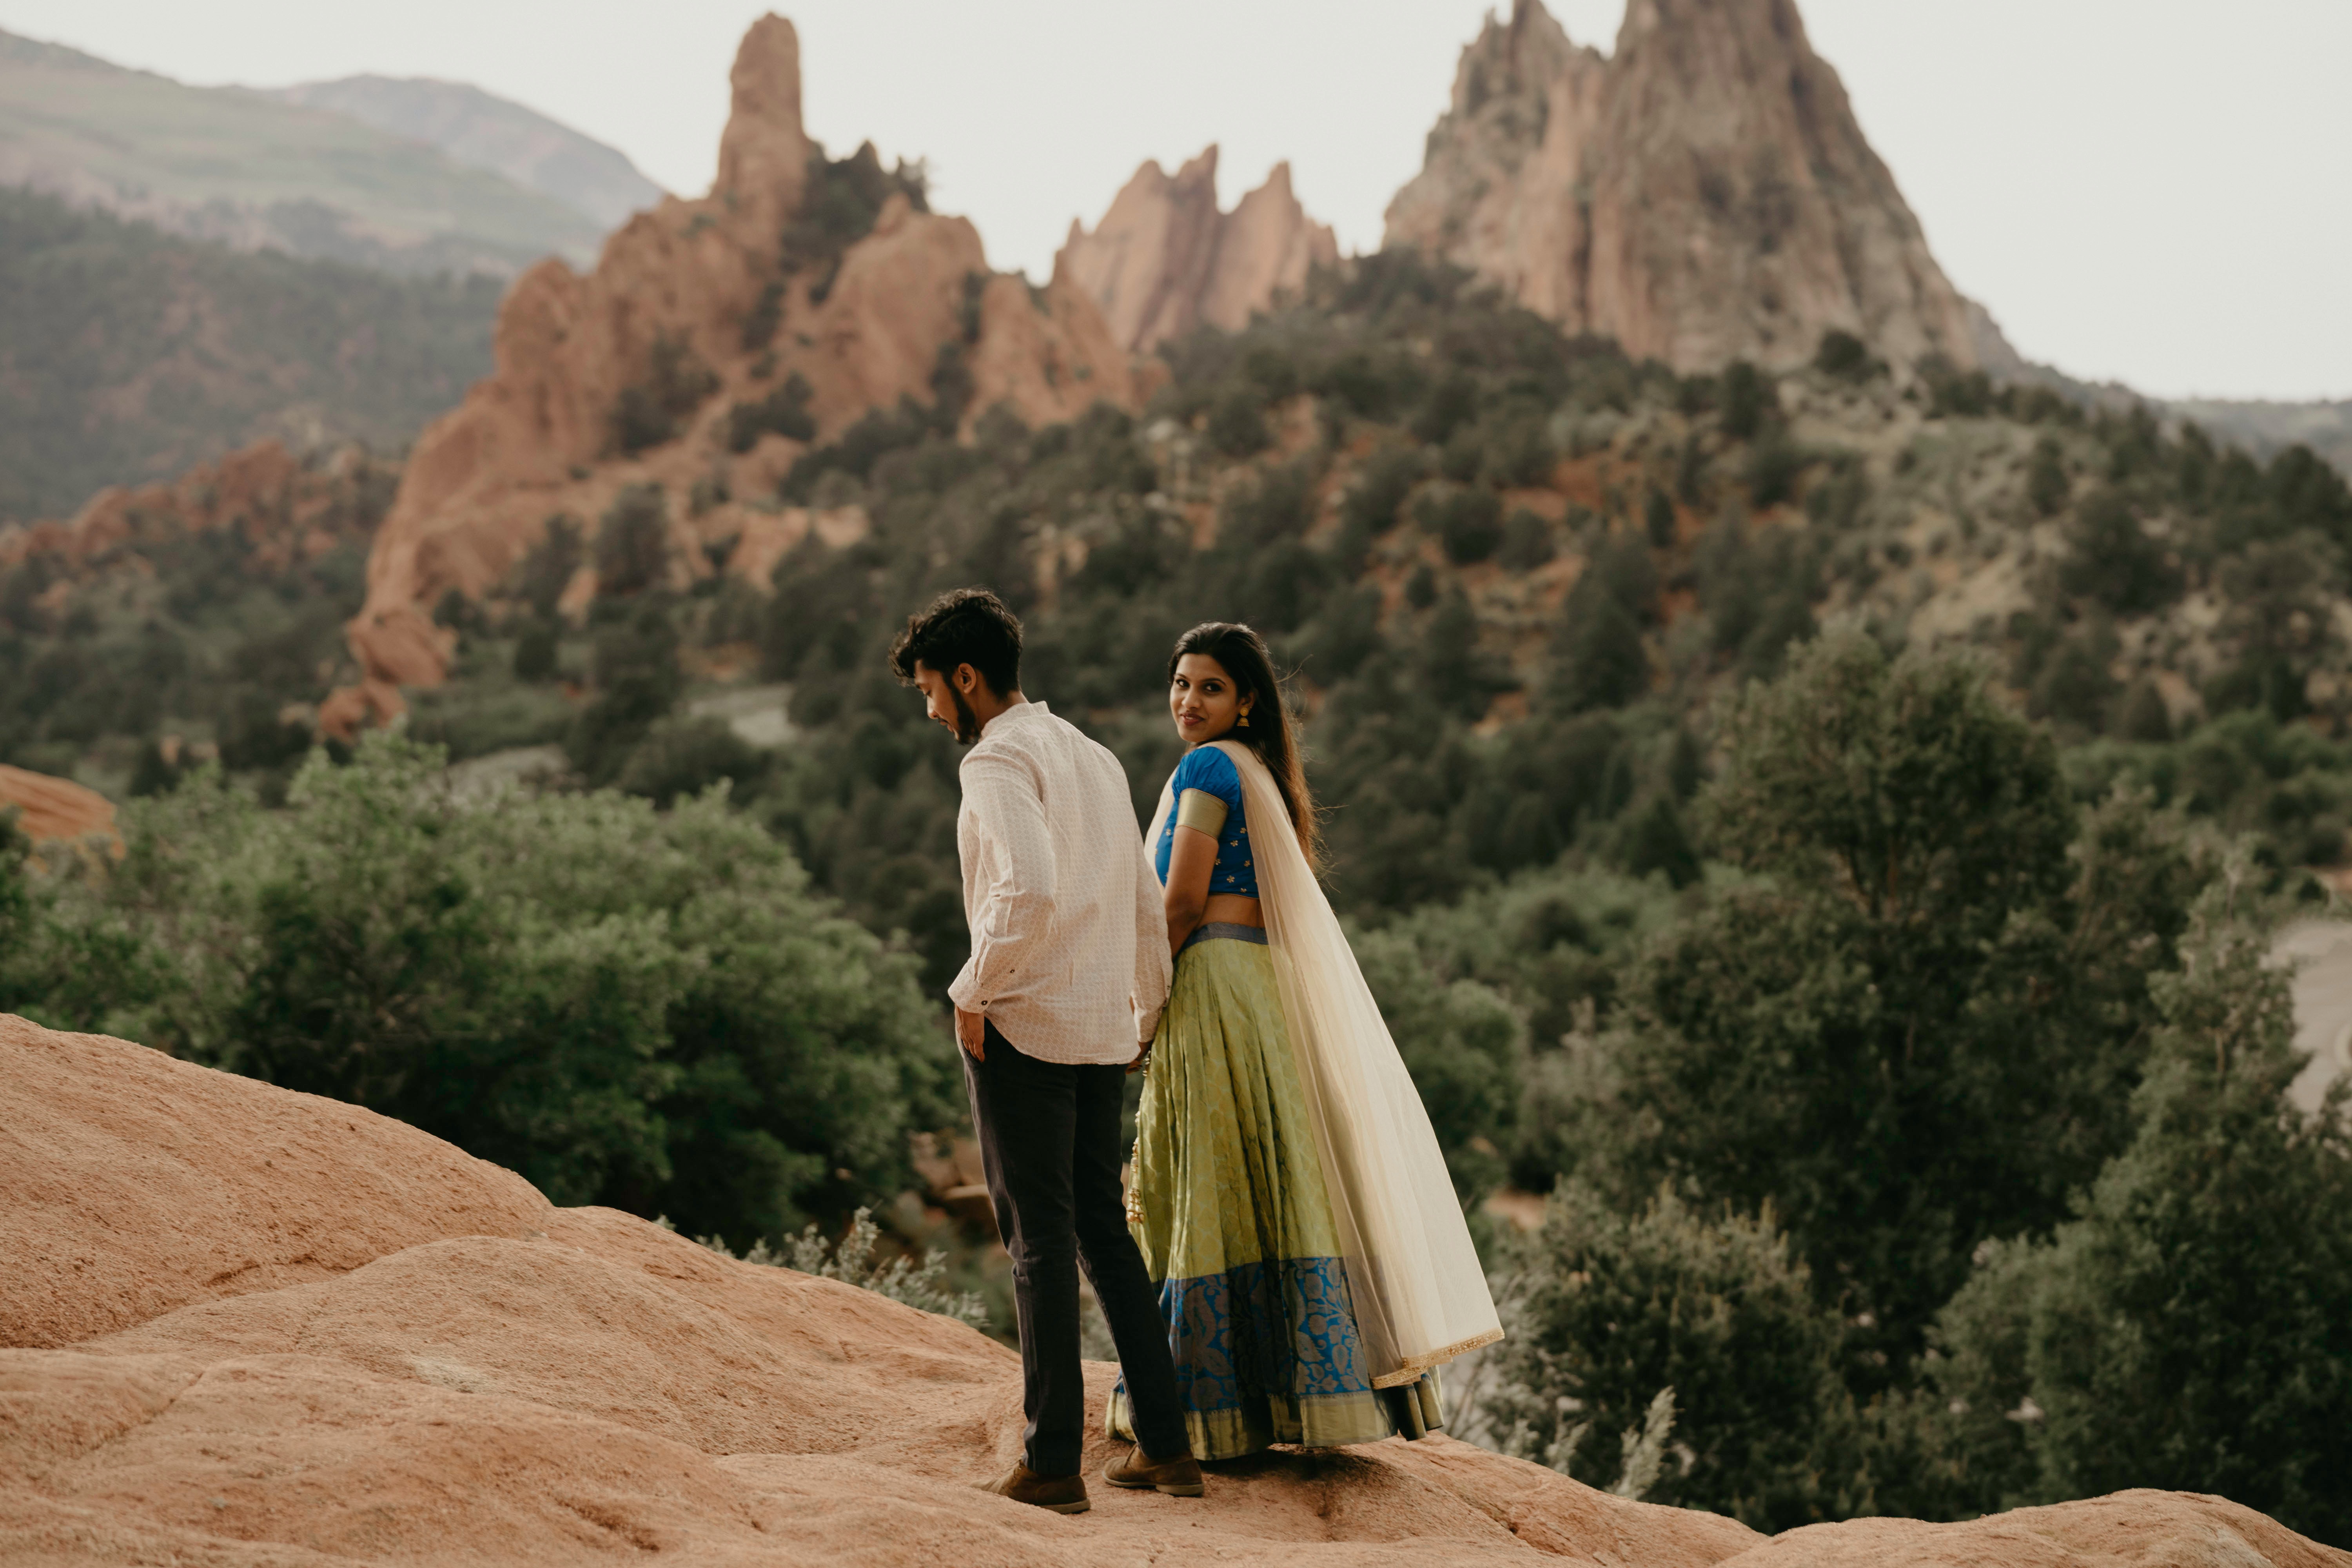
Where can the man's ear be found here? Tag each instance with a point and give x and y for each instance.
(967, 679)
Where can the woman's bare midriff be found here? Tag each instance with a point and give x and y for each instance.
(1232, 909)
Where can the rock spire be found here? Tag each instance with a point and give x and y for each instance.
(1165, 259)
(694, 308)
(1704, 194)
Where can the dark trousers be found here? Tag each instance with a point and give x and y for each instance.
(1049, 1144)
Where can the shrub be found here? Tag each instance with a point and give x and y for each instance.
(684, 757)
(2046, 483)
(1468, 522)
(649, 412)
(633, 542)
(1954, 392)
(2076, 686)
(1602, 662)
(1463, 1044)
(546, 569)
(840, 199)
(851, 1260)
(1236, 426)
(1774, 465)
(1606, 1309)
(1527, 542)
(1844, 356)
(783, 412)
(1658, 519)
(2113, 562)
(1745, 400)
(766, 314)
(535, 652)
(1381, 488)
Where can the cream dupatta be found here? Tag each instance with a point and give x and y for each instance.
(1419, 1295)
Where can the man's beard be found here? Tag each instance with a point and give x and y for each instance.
(967, 722)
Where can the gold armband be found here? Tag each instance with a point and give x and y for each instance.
(1198, 809)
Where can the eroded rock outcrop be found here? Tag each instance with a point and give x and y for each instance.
(696, 303)
(1164, 261)
(51, 808)
(287, 508)
(251, 1326)
(1702, 196)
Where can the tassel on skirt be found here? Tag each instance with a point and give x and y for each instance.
(1228, 1204)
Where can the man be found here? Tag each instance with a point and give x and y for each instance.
(1068, 972)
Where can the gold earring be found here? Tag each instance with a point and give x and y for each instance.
(1245, 721)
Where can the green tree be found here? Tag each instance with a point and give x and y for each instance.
(1916, 1028)
(647, 1009)
(2047, 485)
(1606, 1308)
(2191, 1328)
(2114, 562)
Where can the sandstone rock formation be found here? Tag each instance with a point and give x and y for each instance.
(1702, 196)
(254, 1327)
(54, 808)
(289, 510)
(1164, 261)
(684, 284)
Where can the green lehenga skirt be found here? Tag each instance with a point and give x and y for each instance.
(1227, 1201)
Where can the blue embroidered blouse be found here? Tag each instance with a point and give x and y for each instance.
(1205, 781)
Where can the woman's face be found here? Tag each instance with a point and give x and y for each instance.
(1203, 700)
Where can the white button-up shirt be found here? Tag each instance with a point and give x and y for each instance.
(1069, 937)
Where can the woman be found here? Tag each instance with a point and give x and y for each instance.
(1287, 1194)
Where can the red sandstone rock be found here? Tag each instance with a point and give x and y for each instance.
(1164, 261)
(535, 439)
(49, 807)
(290, 510)
(281, 1330)
(1702, 195)
(132, 1183)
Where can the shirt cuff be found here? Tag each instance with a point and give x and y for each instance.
(964, 989)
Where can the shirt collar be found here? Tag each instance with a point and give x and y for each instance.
(1019, 714)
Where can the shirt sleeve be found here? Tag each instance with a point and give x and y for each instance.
(1022, 877)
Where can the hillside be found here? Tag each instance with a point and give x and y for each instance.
(197, 619)
(485, 131)
(253, 173)
(131, 354)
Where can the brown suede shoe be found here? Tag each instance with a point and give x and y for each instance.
(1055, 1494)
(1178, 1477)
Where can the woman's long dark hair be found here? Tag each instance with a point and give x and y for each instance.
(1243, 654)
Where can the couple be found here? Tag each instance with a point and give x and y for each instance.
(1291, 1264)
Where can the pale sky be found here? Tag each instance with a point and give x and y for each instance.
(2152, 191)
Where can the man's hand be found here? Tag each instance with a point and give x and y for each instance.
(1142, 1057)
(972, 1034)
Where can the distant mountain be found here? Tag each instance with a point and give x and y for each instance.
(127, 354)
(256, 172)
(484, 131)
(2263, 426)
